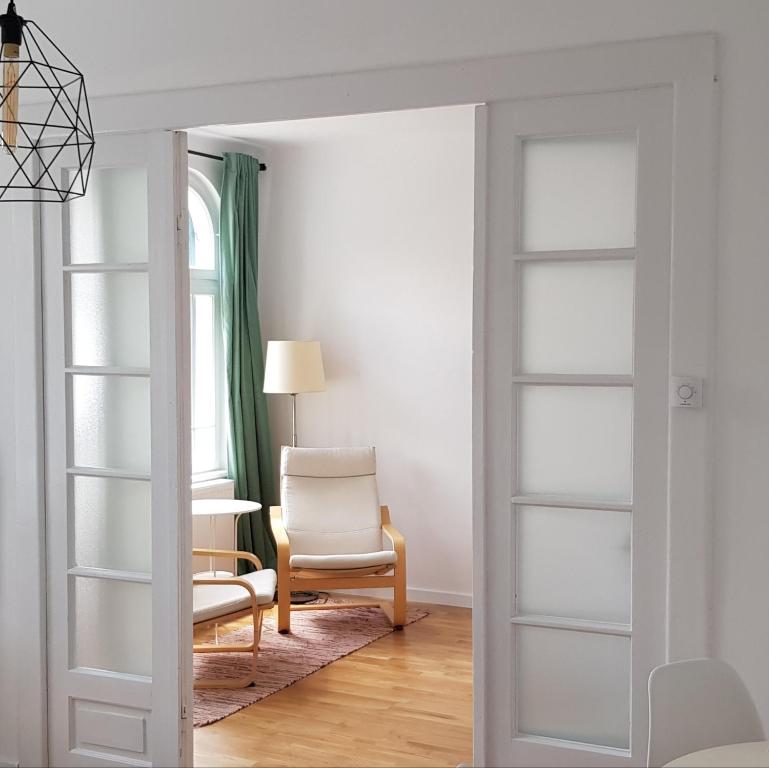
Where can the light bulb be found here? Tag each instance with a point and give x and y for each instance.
(11, 26)
(10, 95)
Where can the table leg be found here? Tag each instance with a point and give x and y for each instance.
(235, 542)
(212, 566)
(212, 531)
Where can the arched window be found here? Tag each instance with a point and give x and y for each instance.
(209, 419)
(203, 234)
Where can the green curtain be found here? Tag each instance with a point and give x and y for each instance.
(249, 452)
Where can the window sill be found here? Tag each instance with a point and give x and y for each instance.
(214, 474)
(214, 488)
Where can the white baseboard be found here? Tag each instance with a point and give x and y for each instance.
(459, 599)
(416, 595)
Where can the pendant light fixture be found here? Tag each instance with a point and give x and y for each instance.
(46, 135)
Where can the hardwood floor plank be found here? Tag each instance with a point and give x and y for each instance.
(404, 700)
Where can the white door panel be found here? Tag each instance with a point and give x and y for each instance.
(115, 302)
(577, 233)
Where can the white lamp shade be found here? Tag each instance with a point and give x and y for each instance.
(294, 366)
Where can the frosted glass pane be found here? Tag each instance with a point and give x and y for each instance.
(109, 224)
(113, 524)
(576, 317)
(574, 686)
(574, 563)
(579, 192)
(110, 319)
(575, 441)
(113, 625)
(111, 422)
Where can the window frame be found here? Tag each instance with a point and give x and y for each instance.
(208, 282)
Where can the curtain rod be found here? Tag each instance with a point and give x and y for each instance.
(262, 166)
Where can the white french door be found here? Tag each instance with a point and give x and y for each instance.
(116, 366)
(577, 283)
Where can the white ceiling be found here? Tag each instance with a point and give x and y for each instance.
(324, 129)
(128, 46)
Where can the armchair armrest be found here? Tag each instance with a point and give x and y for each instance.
(278, 528)
(283, 556)
(235, 581)
(238, 554)
(397, 541)
(282, 544)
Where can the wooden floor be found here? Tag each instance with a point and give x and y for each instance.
(404, 700)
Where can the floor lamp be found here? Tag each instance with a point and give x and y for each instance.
(293, 367)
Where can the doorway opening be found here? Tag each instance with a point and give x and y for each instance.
(365, 245)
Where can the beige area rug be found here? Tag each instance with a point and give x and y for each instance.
(317, 638)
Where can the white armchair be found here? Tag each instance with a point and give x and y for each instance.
(224, 599)
(331, 532)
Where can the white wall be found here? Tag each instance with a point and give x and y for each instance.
(276, 39)
(740, 394)
(366, 245)
(8, 640)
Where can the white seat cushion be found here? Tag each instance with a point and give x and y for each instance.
(343, 562)
(330, 501)
(210, 601)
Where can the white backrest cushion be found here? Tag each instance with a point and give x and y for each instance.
(330, 500)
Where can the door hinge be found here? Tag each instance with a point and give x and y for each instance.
(184, 711)
(180, 222)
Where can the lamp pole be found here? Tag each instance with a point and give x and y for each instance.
(293, 418)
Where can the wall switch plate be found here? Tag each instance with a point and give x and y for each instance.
(686, 392)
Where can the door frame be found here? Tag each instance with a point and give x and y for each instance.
(688, 63)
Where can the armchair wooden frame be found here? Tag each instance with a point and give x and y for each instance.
(255, 610)
(291, 579)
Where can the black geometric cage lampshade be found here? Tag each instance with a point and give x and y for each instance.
(46, 135)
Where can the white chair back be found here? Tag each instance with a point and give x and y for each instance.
(330, 500)
(698, 704)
